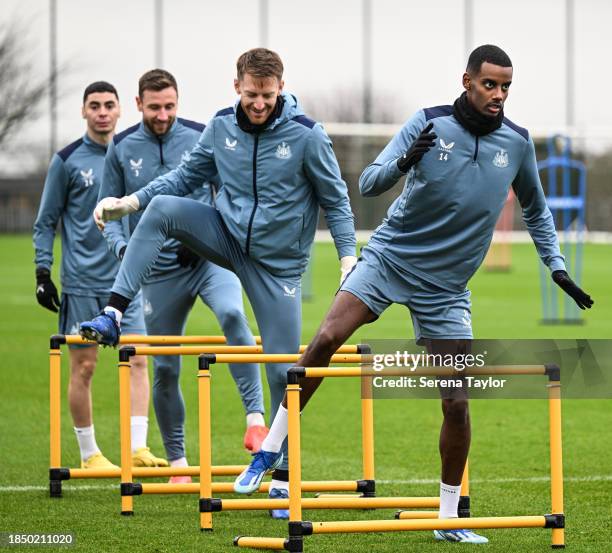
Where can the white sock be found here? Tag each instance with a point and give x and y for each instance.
(255, 419)
(449, 500)
(86, 437)
(118, 314)
(278, 431)
(139, 426)
(279, 484)
(182, 462)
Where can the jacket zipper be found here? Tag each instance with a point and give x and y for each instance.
(255, 199)
(475, 151)
(161, 151)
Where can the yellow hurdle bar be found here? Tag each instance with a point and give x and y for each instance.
(260, 543)
(157, 472)
(408, 515)
(325, 372)
(221, 349)
(238, 357)
(155, 339)
(556, 458)
(228, 487)
(438, 524)
(205, 486)
(333, 503)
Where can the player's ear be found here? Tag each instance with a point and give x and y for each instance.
(467, 81)
(237, 86)
(139, 104)
(83, 112)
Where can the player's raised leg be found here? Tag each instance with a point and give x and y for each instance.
(197, 225)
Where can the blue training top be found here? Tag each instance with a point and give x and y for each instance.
(70, 194)
(440, 227)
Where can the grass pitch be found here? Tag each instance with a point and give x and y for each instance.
(508, 459)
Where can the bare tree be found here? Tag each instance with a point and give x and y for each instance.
(21, 89)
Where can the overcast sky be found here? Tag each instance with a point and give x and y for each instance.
(419, 54)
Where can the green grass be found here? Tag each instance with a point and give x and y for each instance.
(509, 454)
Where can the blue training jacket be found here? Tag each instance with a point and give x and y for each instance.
(440, 227)
(70, 195)
(136, 157)
(271, 186)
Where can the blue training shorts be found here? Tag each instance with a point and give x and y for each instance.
(436, 313)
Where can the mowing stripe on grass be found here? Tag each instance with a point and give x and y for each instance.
(414, 481)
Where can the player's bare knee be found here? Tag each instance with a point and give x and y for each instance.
(138, 364)
(85, 370)
(456, 411)
(327, 340)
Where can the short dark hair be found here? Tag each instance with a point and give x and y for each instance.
(99, 86)
(261, 63)
(156, 80)
(487, 53)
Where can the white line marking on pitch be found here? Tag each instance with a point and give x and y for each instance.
(414, 481)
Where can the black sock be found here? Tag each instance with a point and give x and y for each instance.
(280, 474)
(118, 302)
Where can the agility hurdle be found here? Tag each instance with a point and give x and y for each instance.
(298, 528)
(57, 473)
(129, 488)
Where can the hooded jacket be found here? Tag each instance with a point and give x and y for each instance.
(271, 185)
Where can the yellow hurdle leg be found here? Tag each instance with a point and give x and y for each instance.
(295, 466)
(464, 500)
(205, 440)
(556, 459)
(367, 429)
(127, 503)
(55, 443)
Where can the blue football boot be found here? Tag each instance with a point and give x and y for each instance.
(279, 493)
(103, 329)
(459, 536)
(251, 477)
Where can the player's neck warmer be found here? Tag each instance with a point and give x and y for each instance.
(247, 126)
(475, 122)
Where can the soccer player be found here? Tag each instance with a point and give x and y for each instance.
(434, 238)
(136, 156)
(276, 168)
(88, 271)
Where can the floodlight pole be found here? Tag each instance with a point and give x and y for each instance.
(53, 76)
(468, 27)
(263, 23)
(569, 65)
(367, 60)
(158, 33)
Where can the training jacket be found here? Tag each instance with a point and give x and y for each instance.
(136, 157)
(440, 227)
(271, 186)
(70, 194)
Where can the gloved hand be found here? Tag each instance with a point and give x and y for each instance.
(582, 299)
(418, 149)
(346, 264)
(187, 257)
(46, 292)
(112, 209)
(122, 253)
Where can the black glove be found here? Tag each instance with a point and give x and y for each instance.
(582, 299)
(187, 257)
(418, 149)
(122, 253)
(46, 292)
